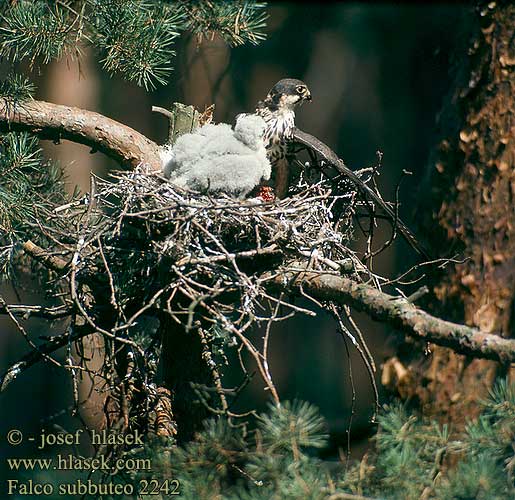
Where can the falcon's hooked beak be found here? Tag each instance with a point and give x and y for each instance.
(307, 96)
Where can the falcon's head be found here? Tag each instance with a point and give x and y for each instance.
(288, 93)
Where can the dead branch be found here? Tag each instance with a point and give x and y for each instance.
(26, 311)
(47, 259)
(330, 157)
(400, 313)
(55, 122)
(39, 353)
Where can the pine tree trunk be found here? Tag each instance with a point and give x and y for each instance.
(472, 211)
(184, 367)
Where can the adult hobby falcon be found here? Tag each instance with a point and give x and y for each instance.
(278, 111)
(281, 135)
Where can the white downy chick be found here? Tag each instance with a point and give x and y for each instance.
(188, 147)
(215, 158)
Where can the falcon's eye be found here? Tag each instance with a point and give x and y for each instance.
(300, 89)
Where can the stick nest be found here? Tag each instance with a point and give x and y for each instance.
(168, 240)
(145, 248)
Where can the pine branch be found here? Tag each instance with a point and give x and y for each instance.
(134, 39)
(237, 22)
(55, 122)
(141, 51)
(38, 30)
(399, 313)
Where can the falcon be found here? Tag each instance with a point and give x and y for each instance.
(281, 136)
(278, 111)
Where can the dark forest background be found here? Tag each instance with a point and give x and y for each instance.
(378, 75)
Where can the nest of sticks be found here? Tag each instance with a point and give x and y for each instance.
(141, 248)
(190, 254)
(168, 242)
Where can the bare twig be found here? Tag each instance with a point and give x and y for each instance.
(26, 311)
(42, 352)
(330, 156)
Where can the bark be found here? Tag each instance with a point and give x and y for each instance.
(55, 122)
(472, 210)
(400, 313)
(184, 365)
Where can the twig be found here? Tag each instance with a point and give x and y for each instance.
(330, 156)
(27, 311)
(163, 111)
(272, 250)
(42, 352)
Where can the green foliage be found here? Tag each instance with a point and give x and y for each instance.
(133, 38)
(492, 436)
(292, 426)
(282, 477)
(229, 461)
(412, 458)
(408, 452)
(137, 38)
(29, 188)
(26, 182)
(36, 30)
(480, 478)
(501, 405)
(206, 465)
(16, 88)
(419, 459)
(236, 22)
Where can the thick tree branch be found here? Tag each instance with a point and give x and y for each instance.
(55, 122)
(328, 155)
(401, 314)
